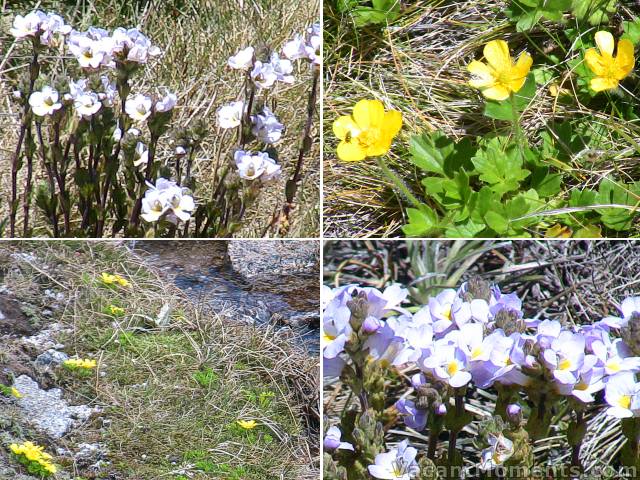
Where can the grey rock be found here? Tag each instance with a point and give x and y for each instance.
(47, 411)
(51, 358)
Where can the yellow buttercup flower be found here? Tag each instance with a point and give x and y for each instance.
(86, 364)
(117, 311)
(109, 279)
(500, 76)
(15, 392)
(609, 70)
(247, 424)
(34, 453)
(368, 132)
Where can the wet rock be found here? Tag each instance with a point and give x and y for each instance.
(13, 320)
(51, 358)
(46, 410)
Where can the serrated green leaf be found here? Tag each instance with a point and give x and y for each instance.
(496, 222)
(421, 222)
(429, 151)
(502, 170)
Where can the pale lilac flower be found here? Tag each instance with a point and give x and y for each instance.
(180, 151)
(141, 155)
(44, 102)
(88, 50)
(138, 107)
(266, 127)
(109, 91)
(282, 68)
(388, 348)
(243, 60)
(87, 104)
(412, 416)
(259, 165)
(132, 45)
(166, 197)
(166, 103)
(295, 49)
(621, 393)
(397, 464)
(565, 357)
(628, 307)
(332, 440)
(28, 25)
(500, 301)
(614, 356)
(499, 451)
(76, 89)
(449, 363)
(230, 116)
(263, 74)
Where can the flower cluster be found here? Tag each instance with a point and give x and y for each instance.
(305, 46)
(45, 28)
(477, 335)
(34, 458)
(10, 391)
(167, 199)
(256, 165)
(80, 364)
(113, 279)
(501, 77)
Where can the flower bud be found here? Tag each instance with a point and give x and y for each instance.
(514, 414)
(331, 443)
(478, 289)
(440, 409)
(371, 325)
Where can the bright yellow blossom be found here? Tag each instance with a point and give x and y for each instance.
(34, 453)
(368, 132)
(247, 424)
(500, 76)
(86, 364)
(110, 279)
(117, 311)
(15, 392)
(609, 70)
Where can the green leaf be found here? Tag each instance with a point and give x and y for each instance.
(594, 11)
(632, 31)
(502, 170)
(497, 222)
(624, 194)
(545, 183)
(429, 151)
(465, 230)
(421, 222)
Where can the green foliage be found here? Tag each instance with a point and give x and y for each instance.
(526, 14)
(374, 12)
(207, 378)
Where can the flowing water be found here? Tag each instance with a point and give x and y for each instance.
(258, 282)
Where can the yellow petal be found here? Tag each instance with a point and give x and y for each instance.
(624, 61)
(497, 54)
(344, 126)
(596, 62)
(497, 92)
(380, 147)
(392, 123)
(368, 113)
(605, 42)
(483, 75)
(599, 84)
(350, 151)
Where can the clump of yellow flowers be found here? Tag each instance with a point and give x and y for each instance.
(247, 424)
(80, 364)
(500, 77)
(116, 311)
(9, 391)
(114, 279)
(368, 132)
(34, 458)
(609, 70)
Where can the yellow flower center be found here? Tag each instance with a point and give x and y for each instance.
(564, 364)
(476, 352)
(625, 401)
(328, 338)
(453, 368)
(614, 365)
(446, 312)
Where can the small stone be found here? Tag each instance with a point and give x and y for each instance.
(51, 358)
